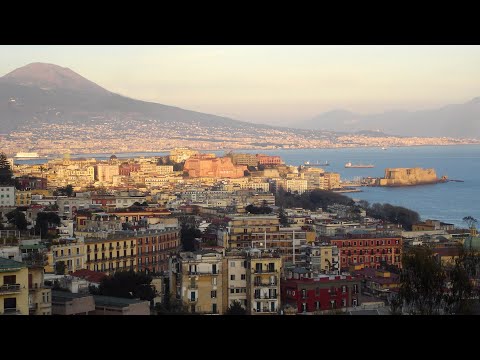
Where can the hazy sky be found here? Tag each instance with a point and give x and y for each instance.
(271, 84)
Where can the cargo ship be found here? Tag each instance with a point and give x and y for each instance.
(358, 166)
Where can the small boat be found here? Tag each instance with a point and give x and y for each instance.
(384, 148)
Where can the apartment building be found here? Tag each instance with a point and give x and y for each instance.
(154, 247)
(263, 282)
(13, 287)
(199, 282)
(368, 250)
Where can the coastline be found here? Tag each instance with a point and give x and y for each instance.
(102, 154)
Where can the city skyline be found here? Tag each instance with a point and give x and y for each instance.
(275, 85)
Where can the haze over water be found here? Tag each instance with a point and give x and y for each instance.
(448, 202)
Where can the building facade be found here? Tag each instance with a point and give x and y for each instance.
(13, 287)
(369, 251)
(200, 284)
(155, 247)
(321, 293)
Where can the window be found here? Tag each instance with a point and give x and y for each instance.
(232, 291)
(344, 302)
(317, 305)
(237, 291)
(213, 294)
(344, 289)
(9, 304)
(192, 296)
(243, 277)
(10, 280)
(214, 280)
(214, 308)
(232, 263)
(232, 277)
(78, 251)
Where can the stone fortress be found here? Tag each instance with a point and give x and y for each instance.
(409, 177)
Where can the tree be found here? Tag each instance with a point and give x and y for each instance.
(171, 306)
(44, 221)
(128, 284)
(188, 234)
(471, 221)
(64, 191)
(252, 209)
(6, 173)
(18, 219)
(60, 268)
(422, 278)
(283, 217)
(236, 308)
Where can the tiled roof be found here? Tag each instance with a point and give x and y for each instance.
(89, 275)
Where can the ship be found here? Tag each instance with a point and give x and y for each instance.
(27, 155)
(384, 148)
(360, 166)
(308, 163)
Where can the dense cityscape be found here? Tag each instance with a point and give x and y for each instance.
(239, 180)
(194, 233)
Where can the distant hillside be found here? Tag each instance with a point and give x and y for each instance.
(47, 93)
(460, 120)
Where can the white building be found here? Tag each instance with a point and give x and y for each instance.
(7, 196)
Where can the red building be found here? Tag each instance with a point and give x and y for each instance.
(32, 183)
(367, 251)
(104, 200)
(325, 292)
(153, 250)
(126, 169)
(269, 160)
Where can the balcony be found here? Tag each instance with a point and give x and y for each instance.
(193, 286)
(265, 284)
(110, 248)
(203, 273)
(33, 307)
(118, 247)
(192, 300)
(267, 271)
(95, 250)
(10, 288)
(11, 311)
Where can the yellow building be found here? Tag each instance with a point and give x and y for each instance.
(70, 251)
(263, 282)
(39, 296)
(115, 253)
(264, 231)
(23, 198)
(200, 282)
(332, 181)
(13, 287)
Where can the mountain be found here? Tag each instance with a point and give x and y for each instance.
(459, 120)
(50, 76)
(41, 93)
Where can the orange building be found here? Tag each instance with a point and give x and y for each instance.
(206, 165)
(269, 160)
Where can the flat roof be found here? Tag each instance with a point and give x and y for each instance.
(65, 296)
(115, 301)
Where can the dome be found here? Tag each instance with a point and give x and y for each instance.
(472, 243)
(113, 157)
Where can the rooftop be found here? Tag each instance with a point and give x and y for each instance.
(9, 265)
(115, 301)
(65, 296)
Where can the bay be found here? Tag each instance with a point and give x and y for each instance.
(448, 202)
